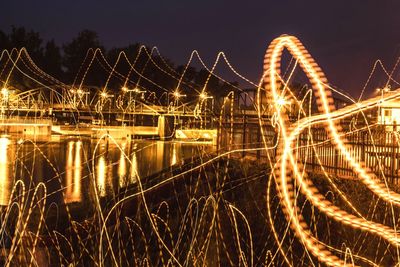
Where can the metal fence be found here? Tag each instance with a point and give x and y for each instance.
(378, 147)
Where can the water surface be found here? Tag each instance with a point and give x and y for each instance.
(73, 169)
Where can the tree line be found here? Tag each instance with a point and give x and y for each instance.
(63, 62)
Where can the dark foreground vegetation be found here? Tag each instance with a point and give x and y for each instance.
(224, 213)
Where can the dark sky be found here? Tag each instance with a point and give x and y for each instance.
(344, 36)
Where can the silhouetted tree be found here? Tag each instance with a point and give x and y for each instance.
(130, 51)
(159, 73)
(53, 60)
(213, 84)
(4, 42)
(20, 37)
(165, 79)
(225, 88)
(123, 66)
(75, 52)
(190, 73)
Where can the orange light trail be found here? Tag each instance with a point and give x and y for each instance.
(287, 165)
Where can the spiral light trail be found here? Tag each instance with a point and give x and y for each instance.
(288, 167)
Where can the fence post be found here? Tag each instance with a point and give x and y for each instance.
(244, 136)
(312, 150)
(363, 146)
(336, 162)
(393, 156)
(259, 141)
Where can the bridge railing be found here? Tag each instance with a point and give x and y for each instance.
(23, 120)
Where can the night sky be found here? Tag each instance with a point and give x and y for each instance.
(345, 37)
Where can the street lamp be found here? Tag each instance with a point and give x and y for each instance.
(103, 95)
(135, 90)
(203, 97)
(177, 95)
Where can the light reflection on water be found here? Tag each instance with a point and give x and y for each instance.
(73, 172)
(122, 165)
(5, 181)
(101, 175)
(134, 166)
(115, 166)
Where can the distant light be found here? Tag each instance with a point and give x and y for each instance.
(135, 90)
(177, 94)
(383, 90)
(204, 96)
(282, 101)
(79, 91)
(4, 92)
(103, 94)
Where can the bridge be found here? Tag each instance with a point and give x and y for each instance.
(80, 108)
(95, 112)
